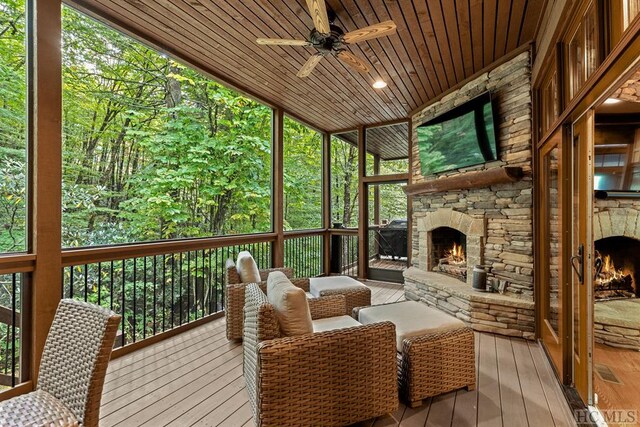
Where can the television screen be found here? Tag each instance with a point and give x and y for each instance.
(464, 136)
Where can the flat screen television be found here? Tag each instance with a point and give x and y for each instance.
(462, 137)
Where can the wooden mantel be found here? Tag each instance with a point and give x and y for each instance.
(476, 179)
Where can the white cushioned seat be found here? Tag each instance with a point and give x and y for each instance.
(290, 305)
(412, 319)
(247, 268)
(330, 283)
(332, 323)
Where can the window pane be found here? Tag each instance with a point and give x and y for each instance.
(302, 176)
(152, 149)
(344, 179)
(13, 121)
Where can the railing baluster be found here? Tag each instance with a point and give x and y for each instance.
(164, 287)
(86, 281)
(71, 269)
(173, 268)
(111, 288)
(123, 297)
(180, 293)
(99, 283)
(13, 329)
(144, 298)
(133, 336)
(155, 297)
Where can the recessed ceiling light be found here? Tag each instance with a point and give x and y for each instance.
(379, 84)
(611, 101)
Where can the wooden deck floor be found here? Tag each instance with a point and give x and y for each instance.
(196, 379)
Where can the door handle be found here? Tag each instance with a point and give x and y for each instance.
(579, 269)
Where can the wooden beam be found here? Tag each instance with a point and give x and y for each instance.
(478, 179)
(410, 199)
(386, 179)
(45, 122)
(277, 168)
(376, 191)
(363, 205)
(326, 202)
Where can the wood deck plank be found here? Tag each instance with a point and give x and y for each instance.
(196, 379)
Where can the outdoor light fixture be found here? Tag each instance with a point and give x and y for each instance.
(379, 84)
(611, 101)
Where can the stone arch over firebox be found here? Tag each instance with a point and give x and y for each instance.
(616, 222)
(473, 228)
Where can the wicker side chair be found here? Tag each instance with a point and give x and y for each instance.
(72, 370)
(336, 377)
(234, 295)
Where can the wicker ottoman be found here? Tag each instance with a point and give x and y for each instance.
(435, 350)
(356, 293)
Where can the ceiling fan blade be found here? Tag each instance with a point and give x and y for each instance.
(371, 32)
(283, 42)
(308, 66)
(318, 10)
(353, 61)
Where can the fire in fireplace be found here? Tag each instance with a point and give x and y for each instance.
(448, 252)
(617, 266)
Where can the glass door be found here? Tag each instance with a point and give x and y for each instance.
(388, 232)
(581, 261)
(551, 247)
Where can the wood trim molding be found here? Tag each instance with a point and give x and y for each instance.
(477, 179)
(113, 253)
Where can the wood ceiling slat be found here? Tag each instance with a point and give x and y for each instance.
(477, 39)
(443, 69)
(413, 61)
(159, 30)
(452, 32)
(502, 26)
(438, 43)
(464, 29)
(530, 21)
(515, 23)
(354, 19)
(442, 40)
(489, 30)
(415, 30)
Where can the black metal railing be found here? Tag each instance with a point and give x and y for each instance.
(10, 332)
(304, 254)
(156, 293)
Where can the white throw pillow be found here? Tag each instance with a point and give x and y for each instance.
(290, 304)
(247, 268)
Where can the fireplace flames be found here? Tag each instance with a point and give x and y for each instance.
(612, 282)
(456, 256)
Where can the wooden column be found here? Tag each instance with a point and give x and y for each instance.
(410, 198)
(376, 191)
(45, 123)
(326, 202)
(363, 206)
(277, 206)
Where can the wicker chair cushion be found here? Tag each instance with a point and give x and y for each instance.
(332, 283)
(412, 319)
(290, 305)
(36, 409)
(333, 323)
(247, 268)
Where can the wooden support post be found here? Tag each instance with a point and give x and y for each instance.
(277, 206)
(326, 202)
(376, 191)
(363, 208)
(409, 198)
(45, 123)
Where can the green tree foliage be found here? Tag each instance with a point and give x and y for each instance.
(344, 182)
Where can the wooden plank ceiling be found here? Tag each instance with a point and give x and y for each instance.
(438, 44)
(389, 142)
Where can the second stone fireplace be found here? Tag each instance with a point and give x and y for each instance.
(452, 242)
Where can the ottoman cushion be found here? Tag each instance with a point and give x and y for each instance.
(412, 319)
(331, 323)
(331, 283)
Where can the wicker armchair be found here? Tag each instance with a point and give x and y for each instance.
(234, 295)
(72, 370)
(336, 377)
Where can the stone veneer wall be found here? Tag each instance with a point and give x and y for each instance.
(506, 208)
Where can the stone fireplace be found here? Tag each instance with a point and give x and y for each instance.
(493, 222)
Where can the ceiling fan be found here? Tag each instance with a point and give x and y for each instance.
(329, 39)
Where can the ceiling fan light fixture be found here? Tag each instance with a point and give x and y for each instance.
(379, 84)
